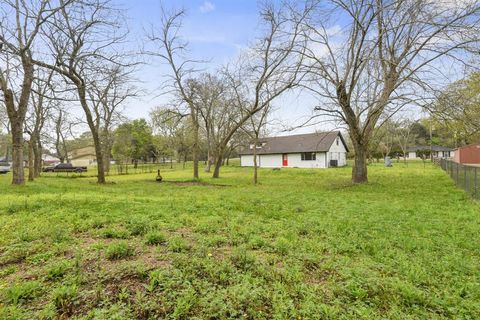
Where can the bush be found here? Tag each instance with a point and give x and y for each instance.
(155, 238)
(119, 250)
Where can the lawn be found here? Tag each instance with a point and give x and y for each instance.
(304, 244)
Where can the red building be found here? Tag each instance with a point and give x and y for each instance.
(468, 154)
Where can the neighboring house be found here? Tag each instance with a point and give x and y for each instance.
(415, 153)
(313, 150)
(49, 160)
(468, 154)
(83, 156)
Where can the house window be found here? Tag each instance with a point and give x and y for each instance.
(309, 156)
(338, 141)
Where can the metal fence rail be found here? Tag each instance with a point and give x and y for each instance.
(466, 177)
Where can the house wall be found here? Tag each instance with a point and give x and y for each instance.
(83, 161)
(270, 161)
(337, 152)
(276, 161)
(436, 154)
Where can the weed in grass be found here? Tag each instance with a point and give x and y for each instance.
(138, 226)
(40, 258)
(242, 259)
(185, 302)
(282, 246)
(119, 250)
(64, 299)
(57, 270)
(114, 233)
(178, 244)
(58, 234)
(21, 292)
(256, 242)
(155, 238)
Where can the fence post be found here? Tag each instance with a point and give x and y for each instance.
(475, 183)
(465, 185)
(456, 178)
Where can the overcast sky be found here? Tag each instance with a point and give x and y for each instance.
(217, 31)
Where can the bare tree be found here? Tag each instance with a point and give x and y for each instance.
(368, 59)
(41, 105)
(268, 69)
(171, 49)
(107, 99)
(217, 115)
(404, 136)
(85, 40)
(20, 24)
(257, 126)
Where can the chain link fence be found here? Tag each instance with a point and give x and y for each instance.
(466, 177)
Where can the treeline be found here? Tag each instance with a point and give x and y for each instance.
(362, 63)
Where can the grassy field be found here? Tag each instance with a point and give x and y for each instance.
(305, 244)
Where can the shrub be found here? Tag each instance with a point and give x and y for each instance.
(155, 238)
(119, 250)
(178, 244)
(20, 292)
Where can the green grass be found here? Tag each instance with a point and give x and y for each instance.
(303, 244)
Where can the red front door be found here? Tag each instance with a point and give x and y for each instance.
(285, 160)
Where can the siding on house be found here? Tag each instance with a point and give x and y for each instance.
(337, 152)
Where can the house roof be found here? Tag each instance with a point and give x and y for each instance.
(311, 142)
(427, 148)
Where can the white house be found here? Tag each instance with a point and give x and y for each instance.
(313, 150)
(416, 152)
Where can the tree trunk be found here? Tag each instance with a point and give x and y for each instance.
(17, 153)
(37, 157)
(100, 160)
(218, 164)
(195, 150)
(255, 164)
(106, 162)
(359, 170)
(31, 165)
(208, 164)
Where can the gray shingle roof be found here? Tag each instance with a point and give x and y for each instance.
(311, 142)
(427, 148)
